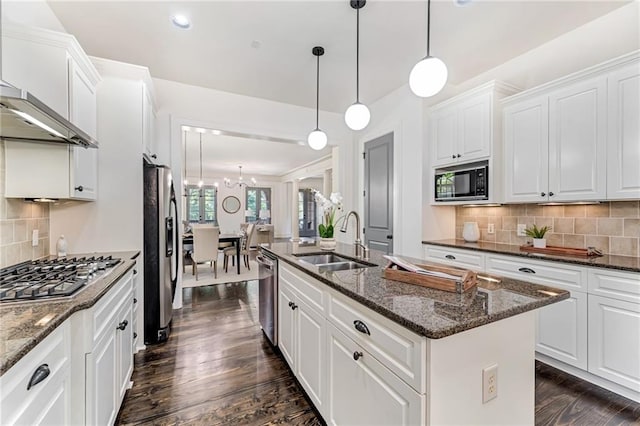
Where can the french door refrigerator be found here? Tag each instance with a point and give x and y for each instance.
(160, 251)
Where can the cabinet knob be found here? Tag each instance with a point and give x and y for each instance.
(135, 335)
(294, 306)
(551, 194)
(291, 304)
(453, 156)
(154, 156)
(135, 300)
(135, 272)
(450, 257)
(390, 237)
(79, 188)
(361, 327)
(122, 325)
(458, 155)
(542, 194)
(39, 375)
(527, 270)
(357, 355)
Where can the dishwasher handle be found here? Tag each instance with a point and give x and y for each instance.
(264, 262)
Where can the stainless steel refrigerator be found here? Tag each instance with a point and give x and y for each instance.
(160, 251)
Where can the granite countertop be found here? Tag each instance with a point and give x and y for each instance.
(429, 312)
(621, 263)
(25, 324)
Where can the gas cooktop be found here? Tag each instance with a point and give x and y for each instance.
(47, 278)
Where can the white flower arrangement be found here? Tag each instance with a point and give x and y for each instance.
(329, 207)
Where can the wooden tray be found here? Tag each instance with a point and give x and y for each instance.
(467, 279)
(561, 251)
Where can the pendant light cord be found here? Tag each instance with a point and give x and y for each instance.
(200, 157)
(428, 26)
(358, 55)
(318, 93)
(185, 154)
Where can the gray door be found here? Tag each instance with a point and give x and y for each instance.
(378, 193)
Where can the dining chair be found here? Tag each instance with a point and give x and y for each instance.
(245, 247)
(205, 248)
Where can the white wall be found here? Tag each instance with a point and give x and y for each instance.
(36, 13)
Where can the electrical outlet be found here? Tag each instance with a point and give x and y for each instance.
(521, 228)
(34, 238)
(491, 228)
(489, 383)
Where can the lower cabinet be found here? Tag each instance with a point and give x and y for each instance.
(47, 400)
(614, 340)
(362, 391)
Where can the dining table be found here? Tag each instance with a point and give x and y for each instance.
(224, 238)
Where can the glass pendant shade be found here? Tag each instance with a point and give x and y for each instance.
(317, 139)
(428, 77)
(357, 116)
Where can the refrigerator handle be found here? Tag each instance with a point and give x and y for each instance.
(174, 279)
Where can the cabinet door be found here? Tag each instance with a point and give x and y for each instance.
(311, 344)
(614, 341)
(562, 330)
(526, 133)
(577, 141)
(474, 128)
(83, 182)
(82, 100)
(444, 132)
(286, 325)
(124, 342)
(623, 146)
(362, 391)
(101, 377)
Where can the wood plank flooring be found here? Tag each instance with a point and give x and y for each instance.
(218, 369)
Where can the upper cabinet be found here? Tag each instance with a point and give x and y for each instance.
(575, 139)
(623, 133)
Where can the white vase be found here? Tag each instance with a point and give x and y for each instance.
(327, 244)
(471, 232)
(540, 242)
(61, 247)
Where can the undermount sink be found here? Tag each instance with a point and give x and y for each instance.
(332, 262)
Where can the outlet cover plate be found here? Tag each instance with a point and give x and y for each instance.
(489, 383)
(521, 228)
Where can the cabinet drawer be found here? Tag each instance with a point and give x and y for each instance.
(105, 310)
(310, 290)
(19, 405)
(401, 350)
(461, 258)
(546, 273)
(614, 284)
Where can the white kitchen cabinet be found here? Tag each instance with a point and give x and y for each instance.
(137, 317)
(623, 134)
(362, 391)
(102, 382)
(444, 131)
(56, 171)
(555, 145)
(48, 402)
(474, 260)
(82, 99)
(614, 341)
(302, 333)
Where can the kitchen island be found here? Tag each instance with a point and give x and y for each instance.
(368, 350)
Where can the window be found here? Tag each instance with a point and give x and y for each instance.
(258, 204)
(201, 204)
(306, 213)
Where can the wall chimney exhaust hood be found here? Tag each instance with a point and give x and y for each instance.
(25, 118)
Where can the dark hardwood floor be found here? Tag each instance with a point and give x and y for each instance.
(218, 369)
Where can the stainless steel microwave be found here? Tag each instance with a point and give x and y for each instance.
(468, 182)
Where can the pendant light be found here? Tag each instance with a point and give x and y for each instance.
(357, 115)
(200, 182)
(429, 75)
(317, 139)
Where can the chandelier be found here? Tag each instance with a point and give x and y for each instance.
(239, 182)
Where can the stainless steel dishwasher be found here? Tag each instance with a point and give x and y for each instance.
(268, 295)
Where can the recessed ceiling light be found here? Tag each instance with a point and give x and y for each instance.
(181, 21)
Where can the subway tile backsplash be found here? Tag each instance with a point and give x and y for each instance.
(613, 227)
(18, 219)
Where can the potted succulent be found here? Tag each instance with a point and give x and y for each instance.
(539, 241)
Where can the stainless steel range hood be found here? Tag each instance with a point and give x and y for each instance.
(23, 117)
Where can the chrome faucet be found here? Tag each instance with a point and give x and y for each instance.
(361, 249)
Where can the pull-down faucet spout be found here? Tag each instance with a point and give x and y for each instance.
(361, 249)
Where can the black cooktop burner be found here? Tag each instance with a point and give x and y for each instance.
(46, 278)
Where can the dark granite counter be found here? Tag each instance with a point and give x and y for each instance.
(621, 263)
(429, 312)
(25, 324)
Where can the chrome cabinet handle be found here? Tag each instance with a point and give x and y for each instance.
(450, 257)
(361, 327)
(41, 373)
(79, 188)
(527, 270)
(357, 355)
(122, 325)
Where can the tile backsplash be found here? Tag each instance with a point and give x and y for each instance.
(18, 219)
(613, 227)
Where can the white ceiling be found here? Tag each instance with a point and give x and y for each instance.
(221, 156)
(217, 51)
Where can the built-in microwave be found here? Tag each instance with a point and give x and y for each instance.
(467, 182)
